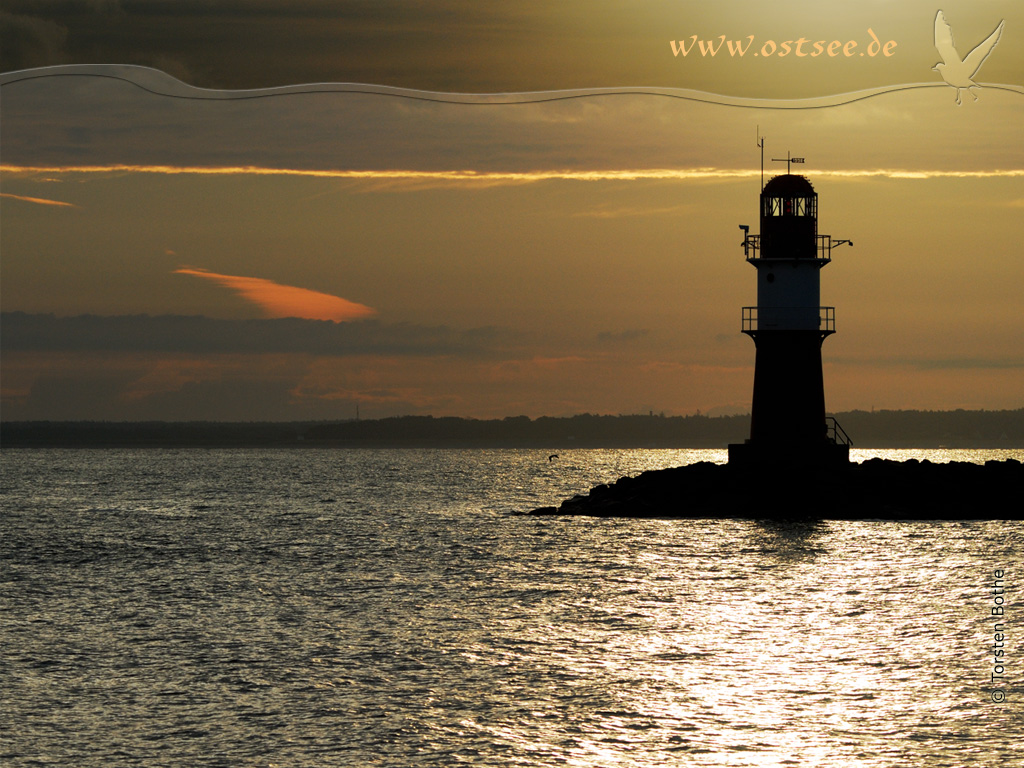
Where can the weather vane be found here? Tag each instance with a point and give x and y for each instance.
(787, 160)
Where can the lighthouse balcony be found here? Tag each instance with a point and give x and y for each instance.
(822, 252)
(821, 319)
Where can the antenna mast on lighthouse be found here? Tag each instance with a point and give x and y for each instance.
(760, 143)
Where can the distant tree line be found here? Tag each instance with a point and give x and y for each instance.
(983, 429)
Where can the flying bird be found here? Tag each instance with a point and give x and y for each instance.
(958, 72)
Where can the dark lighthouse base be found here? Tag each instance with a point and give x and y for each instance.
(753, 455)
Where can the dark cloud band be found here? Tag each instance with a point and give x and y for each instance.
(20, 331)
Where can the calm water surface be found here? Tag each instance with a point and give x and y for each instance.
(386, 608)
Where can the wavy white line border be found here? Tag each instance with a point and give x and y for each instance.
(160, 83)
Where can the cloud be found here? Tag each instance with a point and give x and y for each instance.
(949, 363)
(73, 394)
(101, 126)
(628, 336)
(30, 41)
(38, 200)
(194, 368)
(605, 212)
(443, 43)
(276, 300)
(456, 177)
(24, 332)
(461, 45)
(967, 363)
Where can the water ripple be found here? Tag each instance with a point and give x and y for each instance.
(183, 609)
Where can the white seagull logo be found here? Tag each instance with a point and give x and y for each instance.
(955, 71)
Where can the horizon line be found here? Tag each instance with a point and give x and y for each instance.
(650, 415)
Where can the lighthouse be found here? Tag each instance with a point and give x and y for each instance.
(787, 415)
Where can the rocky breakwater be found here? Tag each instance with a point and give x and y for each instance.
(874, 489)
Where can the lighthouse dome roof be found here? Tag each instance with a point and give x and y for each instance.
(788, 185)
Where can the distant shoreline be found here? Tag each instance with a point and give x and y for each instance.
(879, 429)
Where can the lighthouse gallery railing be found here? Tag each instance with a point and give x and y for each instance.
(788, 318)
(823, 247)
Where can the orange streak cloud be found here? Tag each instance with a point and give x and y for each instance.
(37, 200)
(278, 300)
(492, 177)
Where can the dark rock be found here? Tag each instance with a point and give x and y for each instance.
(874, 489)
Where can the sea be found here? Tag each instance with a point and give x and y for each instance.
(393, 607)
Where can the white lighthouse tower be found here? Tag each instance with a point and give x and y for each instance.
(788, 326)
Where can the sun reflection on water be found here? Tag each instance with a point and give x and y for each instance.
(787, 654)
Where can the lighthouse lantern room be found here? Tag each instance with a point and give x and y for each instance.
(788, 325)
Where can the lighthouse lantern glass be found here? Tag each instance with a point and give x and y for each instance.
(790, 206)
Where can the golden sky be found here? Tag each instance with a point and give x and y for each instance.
(291, 256)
